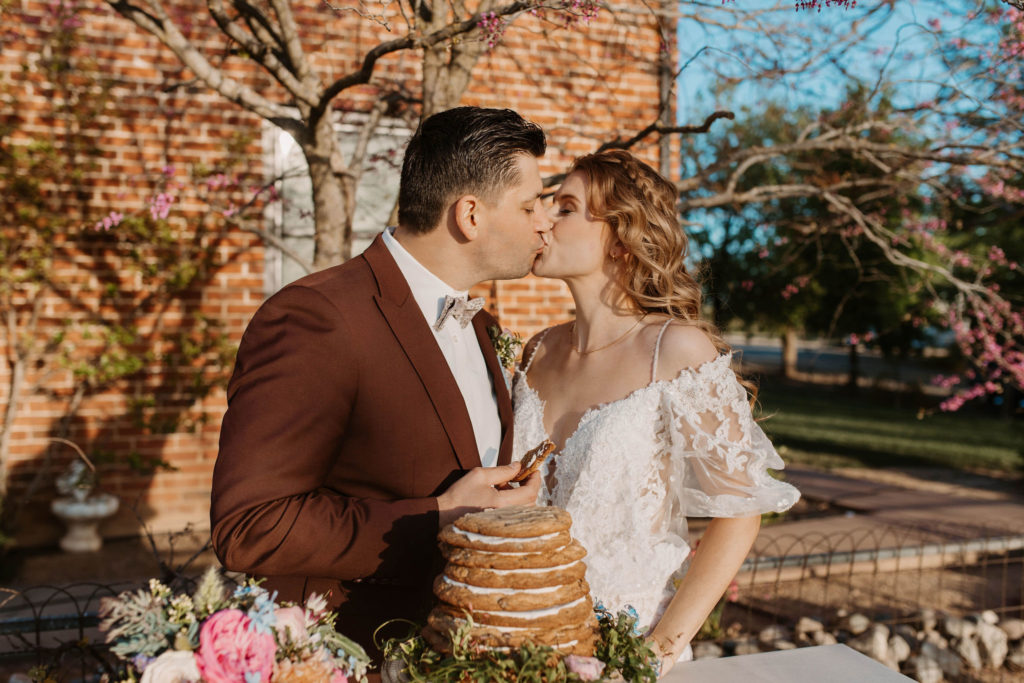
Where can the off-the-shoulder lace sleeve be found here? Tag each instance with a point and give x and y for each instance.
(717, 456)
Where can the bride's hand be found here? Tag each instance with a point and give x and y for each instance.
(663, 664)
(666, 657)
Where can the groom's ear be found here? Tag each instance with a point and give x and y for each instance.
(467, 216)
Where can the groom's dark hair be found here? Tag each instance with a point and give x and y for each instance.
(466, 150)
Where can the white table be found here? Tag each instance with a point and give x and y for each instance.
(826, 663)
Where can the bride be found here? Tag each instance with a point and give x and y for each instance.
(650, 423)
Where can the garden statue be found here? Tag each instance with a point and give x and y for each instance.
(81, 511)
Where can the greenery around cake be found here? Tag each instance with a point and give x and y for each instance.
(621, 653)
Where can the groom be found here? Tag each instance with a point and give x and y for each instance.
(367, 407)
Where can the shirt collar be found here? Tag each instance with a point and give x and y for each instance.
(428, 289)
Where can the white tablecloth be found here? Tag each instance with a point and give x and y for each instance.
(827, 664)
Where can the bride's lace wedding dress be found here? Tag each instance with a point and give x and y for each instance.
(636, 468)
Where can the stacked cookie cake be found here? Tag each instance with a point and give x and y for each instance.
(517, 574)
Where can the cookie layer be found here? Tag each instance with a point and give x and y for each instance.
(529, 544)
(443, 625)
(512, 599)
(485, 559)
(517, 578)
(558, 616)
(517, 521)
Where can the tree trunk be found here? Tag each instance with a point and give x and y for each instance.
(10, 412)
(789, 353)
(854, 368)
(334, 198)
(448, 66)
(666, 81)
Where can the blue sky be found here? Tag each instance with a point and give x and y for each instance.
(902, 38)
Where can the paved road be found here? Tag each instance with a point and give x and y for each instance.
(835, 361)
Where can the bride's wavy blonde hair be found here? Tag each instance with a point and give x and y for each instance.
(640, 208)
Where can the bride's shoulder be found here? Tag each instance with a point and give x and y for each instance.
(535, 348)
(683, 346)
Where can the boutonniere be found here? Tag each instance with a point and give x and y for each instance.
(506, 345)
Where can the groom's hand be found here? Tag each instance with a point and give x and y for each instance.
(479, 489)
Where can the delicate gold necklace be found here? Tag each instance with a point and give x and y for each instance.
(575, 347)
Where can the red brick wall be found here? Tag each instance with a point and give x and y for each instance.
(583, 84)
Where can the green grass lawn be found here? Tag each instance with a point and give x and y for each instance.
(828, 427)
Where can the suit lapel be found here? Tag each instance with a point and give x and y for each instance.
(412, 332)
(481, 321)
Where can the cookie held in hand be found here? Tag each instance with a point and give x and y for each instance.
(533, 459)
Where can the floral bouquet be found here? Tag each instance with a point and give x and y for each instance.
(622, 653)
(217, 636)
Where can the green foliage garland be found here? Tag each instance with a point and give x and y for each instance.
(620, 646)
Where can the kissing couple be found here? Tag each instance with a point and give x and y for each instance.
(368, 407)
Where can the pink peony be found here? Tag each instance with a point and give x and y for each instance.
(290, 624)
(587, 668)
(228, 649)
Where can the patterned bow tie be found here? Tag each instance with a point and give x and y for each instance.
(460, 308)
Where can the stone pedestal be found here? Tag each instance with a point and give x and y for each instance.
(82, 518)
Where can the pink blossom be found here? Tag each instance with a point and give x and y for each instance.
(111, 220)
(587, 668)
(997, 255)
(854, 339)
(160, 206)
(492, 26)
(290, 624)
(338, 677)
(934, 24)
(952, 404)
(229, 649)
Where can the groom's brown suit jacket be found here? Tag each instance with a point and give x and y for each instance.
(344, 423)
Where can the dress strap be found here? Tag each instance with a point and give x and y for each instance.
(657, 349)
(536, 348)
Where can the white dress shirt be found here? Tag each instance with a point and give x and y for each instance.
(460, 348)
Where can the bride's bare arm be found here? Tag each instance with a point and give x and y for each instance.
(722, 549)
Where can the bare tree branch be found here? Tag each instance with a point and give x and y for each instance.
(261, 27)
(293, 44)
(156, 21)
(409, 41)
(661, 129)
(261, 50)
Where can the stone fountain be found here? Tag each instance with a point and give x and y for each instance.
(81, 511)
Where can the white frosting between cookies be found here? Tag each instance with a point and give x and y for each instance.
(534, 613)
(497, 540)
(515, 553)
(526, 570)
(500, 591)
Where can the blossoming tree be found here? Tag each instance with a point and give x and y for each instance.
(921, 173)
